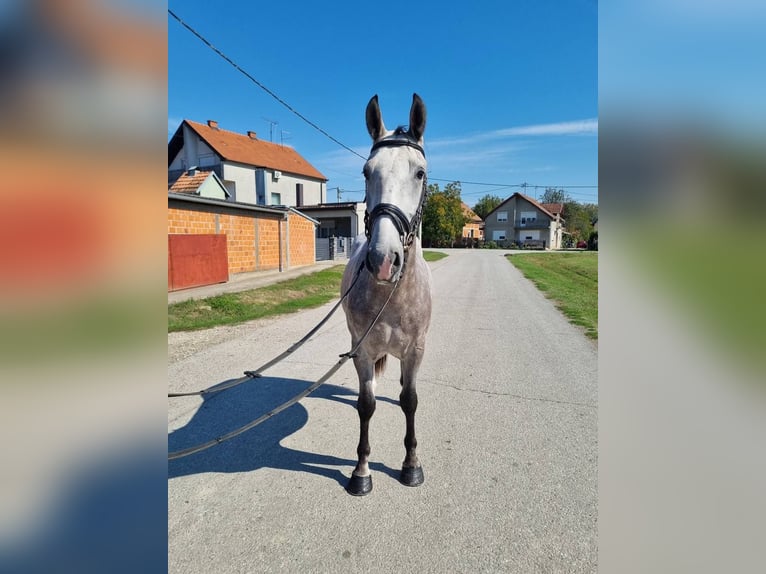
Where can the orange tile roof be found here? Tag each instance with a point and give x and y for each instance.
(470, 214)
(554, 208)
(243, 149)
(189, 183)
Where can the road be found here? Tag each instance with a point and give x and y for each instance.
(506, 426)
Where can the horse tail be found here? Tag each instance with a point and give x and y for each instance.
(380, 366)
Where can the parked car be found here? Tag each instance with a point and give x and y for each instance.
(582, 244)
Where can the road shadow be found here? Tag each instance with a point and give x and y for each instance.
(260, 447)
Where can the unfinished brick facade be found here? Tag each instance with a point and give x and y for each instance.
(253, 234)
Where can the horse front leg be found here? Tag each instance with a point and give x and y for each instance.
(412, 471)
(360, 483)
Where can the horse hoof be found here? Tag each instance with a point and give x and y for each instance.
(359, 485)
(411, 476)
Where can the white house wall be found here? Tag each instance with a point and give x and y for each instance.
(313, 190)
(189, 155)
(255, 185)
(211, 188)
(194, 152)
(244, 181)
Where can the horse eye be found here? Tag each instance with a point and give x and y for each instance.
(421, 174)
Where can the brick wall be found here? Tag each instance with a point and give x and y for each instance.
(302, 252)
(252, 237)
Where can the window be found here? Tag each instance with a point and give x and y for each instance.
(528, 217)
(276, 199)
(498, 235)
(502, 216)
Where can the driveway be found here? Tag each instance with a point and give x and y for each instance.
(507, 434)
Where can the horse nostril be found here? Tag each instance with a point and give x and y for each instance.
(397, 260)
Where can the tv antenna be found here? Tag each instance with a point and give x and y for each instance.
(282, 137)
(272, 123)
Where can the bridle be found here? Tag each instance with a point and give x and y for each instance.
(408, 229)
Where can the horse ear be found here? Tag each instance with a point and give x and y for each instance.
(417, 118)
(375, 126)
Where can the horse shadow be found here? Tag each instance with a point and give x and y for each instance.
(260, 447)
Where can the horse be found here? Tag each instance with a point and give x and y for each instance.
(388, 282)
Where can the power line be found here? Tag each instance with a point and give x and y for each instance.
(335, 140)
(523, 184)
(259, 84)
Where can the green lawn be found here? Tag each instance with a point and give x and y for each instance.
(719, 282)
(433, 255)
(288, 296)
(569, 279)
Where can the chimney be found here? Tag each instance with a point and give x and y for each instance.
(252, 135)
(213, 124)
(192, 171)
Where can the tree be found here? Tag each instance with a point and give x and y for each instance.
(443, 217)
(553, 195)
(486, 204)
(579, 219)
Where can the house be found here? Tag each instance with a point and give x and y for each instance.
(339, 223)
(253, 171)
(200, 183)
(523, 221)
(473, 230)
(337, 219)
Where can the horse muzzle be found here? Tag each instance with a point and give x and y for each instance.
(384, 267)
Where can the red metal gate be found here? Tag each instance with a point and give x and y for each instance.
(195, 260)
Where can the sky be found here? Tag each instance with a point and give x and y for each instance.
(511, 88)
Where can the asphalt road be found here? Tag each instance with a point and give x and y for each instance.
(506, 426)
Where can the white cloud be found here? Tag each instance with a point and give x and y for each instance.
(576, 127)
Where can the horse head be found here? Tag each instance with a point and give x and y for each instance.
(395, 175)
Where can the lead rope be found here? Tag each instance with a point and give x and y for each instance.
(294, 347)
(253, 374)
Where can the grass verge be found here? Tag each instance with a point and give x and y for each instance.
(288, 296)
(569, 279)
(433, 255)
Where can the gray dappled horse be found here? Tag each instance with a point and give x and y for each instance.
(395, 175)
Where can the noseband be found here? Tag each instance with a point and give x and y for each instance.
(407, 228)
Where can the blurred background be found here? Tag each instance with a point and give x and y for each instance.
(682, 153)
(682, 169)
(82, 286)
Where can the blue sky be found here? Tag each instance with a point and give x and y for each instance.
(511, 87)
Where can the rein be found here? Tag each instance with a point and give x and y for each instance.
(250, 375)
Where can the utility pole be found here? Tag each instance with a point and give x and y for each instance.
(339, 193)
(524, 187)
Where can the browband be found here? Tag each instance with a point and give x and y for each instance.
(396, 142)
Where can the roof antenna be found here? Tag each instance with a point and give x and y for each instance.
(272, 123)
